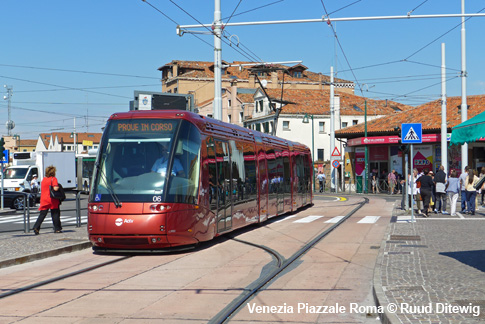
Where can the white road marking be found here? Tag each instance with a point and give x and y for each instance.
(335, 219)
(308, 219)
(284, 218)
(369, 220)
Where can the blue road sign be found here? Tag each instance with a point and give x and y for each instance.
(411, 133)
(5, 157)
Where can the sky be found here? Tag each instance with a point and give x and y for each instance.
(78, 62)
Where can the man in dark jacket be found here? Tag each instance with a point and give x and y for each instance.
(440, 183)
(426, 188)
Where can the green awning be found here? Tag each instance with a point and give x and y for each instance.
(469, 131)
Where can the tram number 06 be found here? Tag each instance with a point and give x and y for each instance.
(157, 198)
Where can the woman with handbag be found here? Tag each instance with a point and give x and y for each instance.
(49, 183)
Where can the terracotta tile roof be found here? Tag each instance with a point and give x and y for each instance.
(200, 69)
(27, 142)
(317, 102)
(246, 97)
(429, 115)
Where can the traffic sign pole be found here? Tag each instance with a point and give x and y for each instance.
(412, 184)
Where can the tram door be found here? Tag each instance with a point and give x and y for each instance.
(224, 186)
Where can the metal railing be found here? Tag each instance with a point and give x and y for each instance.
(28, 197)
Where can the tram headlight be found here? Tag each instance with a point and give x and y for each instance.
(158, 208)
(95, 207)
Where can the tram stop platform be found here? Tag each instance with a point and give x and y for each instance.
(428, 271)
(19, 247)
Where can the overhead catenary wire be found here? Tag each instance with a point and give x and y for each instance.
(92, 88)
(439, 37)
(78, 71)
(254, 9)
(63, 87)
(342, 49)
(237, 49)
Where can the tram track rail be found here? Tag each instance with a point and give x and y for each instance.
(232, 308)
(62, 277)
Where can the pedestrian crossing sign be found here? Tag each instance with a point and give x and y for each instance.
(411, 133)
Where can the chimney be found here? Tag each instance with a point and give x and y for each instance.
(252, 81)
(274, 79)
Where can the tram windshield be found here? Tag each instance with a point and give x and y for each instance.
(148, 160)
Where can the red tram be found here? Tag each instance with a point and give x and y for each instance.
(170, 178)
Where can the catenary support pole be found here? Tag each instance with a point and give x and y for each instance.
(217, 26)
(464, 106)
(444, 130)
(332, 128)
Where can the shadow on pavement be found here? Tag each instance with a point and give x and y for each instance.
(475, 259)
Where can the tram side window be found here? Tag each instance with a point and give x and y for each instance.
(300, 171)
(184, 185)
(212, 176)
(237, 162)
(278, 180)
(272, 171)
(286, 174)
(308, 173)
(250, 187)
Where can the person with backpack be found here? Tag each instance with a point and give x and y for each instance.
(48, 202)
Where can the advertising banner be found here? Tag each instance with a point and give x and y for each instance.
(359, 161)
(423, 158)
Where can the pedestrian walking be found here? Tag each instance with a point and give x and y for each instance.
(34, 188)
(426, 189)
(414, 191)
(391, 180)
(463, 190)
(418, 194)
(47, 202)
(440, 185)
(471, 192)
(452, 191)
(432, 201)
(482, 189)
(374, 184)
(321, 180)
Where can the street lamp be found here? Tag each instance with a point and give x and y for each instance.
(306, 121)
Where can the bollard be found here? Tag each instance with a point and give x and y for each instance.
(78, 207)
(26, 212)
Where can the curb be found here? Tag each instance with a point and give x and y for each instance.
(46, 254)
(380, 298)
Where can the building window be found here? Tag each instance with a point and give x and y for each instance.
(286, 125)
(258, 127)
(355, 122)
(321, 127)
(266, 127)
(297, 74)
(229, 102)
(344, 124)
(209, 115)
(261, 103)
(241, 117)
(320, 154)
(175, 90)
(229, 118)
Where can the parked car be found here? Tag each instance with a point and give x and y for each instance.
(15, 200)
